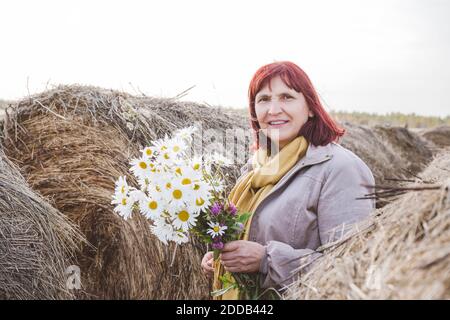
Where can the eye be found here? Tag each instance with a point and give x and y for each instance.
(286, 97)
(263, 99)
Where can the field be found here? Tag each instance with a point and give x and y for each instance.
(61, 151)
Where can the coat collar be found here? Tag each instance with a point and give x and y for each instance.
(314, 155)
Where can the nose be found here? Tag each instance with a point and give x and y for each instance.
(274, 108)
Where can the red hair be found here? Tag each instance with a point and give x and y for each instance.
(320, 129)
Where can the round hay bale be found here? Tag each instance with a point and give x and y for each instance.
(37, 242)
(413, 150)
(378, 156)
(440, 136)
(401, 252)
(72, 143)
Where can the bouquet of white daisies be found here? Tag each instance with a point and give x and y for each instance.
(181, 195)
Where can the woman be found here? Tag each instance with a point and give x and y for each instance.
(301, 197)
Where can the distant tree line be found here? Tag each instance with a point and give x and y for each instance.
(411, 120)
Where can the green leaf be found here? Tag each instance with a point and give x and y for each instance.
(222, 291)
(244, 217)
(216, 254)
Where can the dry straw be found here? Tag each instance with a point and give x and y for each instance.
(37, 242)
(390, 152)
(401, 252)
(71, 143)
(440, 136)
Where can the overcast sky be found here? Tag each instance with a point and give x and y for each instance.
(374, 56)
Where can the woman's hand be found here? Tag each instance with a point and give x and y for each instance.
(242, 256)
(207, 264)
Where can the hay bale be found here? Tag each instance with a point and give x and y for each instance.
(390, 152)
(37, 242)
(378, 155)
(401, 252)
(413, 150)
(440, 136)
(72, 143)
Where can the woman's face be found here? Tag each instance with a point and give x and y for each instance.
(281, 112)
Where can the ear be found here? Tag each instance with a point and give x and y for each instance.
(310, 114)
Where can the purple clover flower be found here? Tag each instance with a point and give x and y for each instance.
(216, 208)
(217, 245)
(232, 209)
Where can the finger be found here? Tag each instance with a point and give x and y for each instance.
(231, 263)
(231, 246)
(232, 254)
(234, 269)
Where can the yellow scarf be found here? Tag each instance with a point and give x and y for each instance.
(254, 187)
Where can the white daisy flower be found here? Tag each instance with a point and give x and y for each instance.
(201, 204)
(184, 219)
(197, 164)
(217, 185)
(202, 189)
(137, 195)
(178, 169)
(162, 230)
(176, 146)
(148, 152)
(122, 186)
(151, 207)
(180, 237)
(190, 180)
(219, 159)
(180, 196)
(161, 145)
(216, 229)
(177, 193)
(165, 157)
(144, 183)
(154, 190)
(186, 133)
(141, 167)
(124, 205)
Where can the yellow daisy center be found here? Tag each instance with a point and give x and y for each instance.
(124, 201)
(149, 152)
(199, 202)
(186, 181)
(166, 156)
(153, 205)
(178, 170)
(122, 190)
(183, 215)
(158, 188)
(176, 148)
(216, 229)
(196, 166)
(177, 194)
(168, 185)
(196, 187)
(142, 165)
(163, 148)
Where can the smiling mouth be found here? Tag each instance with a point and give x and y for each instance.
(277, 123)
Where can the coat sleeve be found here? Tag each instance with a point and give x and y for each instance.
(337, 209)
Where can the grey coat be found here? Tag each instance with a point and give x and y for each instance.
(315, 197)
